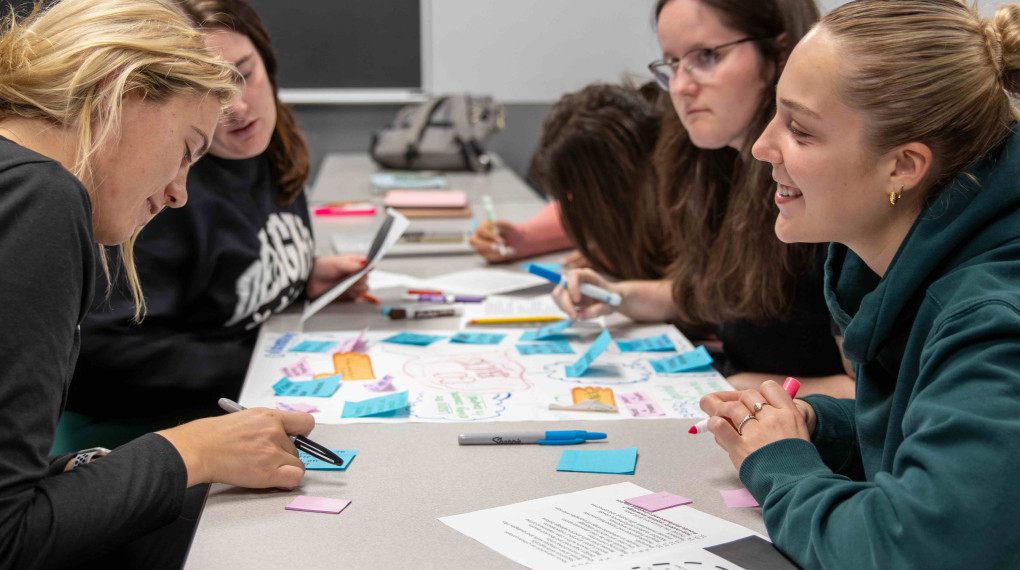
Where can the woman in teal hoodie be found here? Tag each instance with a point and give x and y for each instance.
(894, 139)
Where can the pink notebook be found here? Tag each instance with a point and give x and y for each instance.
(426, 199)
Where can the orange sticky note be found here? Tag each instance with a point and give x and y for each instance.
(353, 366)
(604, 395)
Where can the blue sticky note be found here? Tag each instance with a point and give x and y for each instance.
(477, 338)
(548, 332)
(381, 407)
(314, 346)
(318, 388)
(683, 362)
(658, 343)
(555, 347)
(414, 338)
(554, 267)
(598, 347)
(315, 464)
(618, 461)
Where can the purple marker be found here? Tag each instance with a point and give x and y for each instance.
(444, 299)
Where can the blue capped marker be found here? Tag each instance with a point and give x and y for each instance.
(565, 437)
(587, 289)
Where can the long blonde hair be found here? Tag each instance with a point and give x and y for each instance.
(931, 71)
(72, 63)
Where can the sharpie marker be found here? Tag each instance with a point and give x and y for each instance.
(316, 450)
(792, 385)
(587, 289)
(412, 312)
(570, 437)
(440, 298)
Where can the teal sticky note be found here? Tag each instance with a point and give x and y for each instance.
(380, 407)
(314, 346)
(315, 464)
(683, 362)
(658, 343)
(618, 461)
(548, 332)
(555, 347)
(318, 388)
(477, 338)
(598, 347)
(413, 338)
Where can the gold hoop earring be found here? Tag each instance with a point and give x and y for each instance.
(895, 196)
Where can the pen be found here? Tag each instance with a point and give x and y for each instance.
(490, 212)
(423, 292)
(301, 442)
(444, 298)
(587, 289)
(370, 298)
(505, 320)
(569, 437)
(792, 385)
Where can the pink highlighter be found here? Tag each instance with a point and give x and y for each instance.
(792, 385)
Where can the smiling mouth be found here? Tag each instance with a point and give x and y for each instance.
(787, 191)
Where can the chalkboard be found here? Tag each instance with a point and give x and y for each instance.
(345, 44)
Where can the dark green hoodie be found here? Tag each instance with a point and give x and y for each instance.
(923, 469)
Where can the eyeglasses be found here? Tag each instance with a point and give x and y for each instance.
(699, 64)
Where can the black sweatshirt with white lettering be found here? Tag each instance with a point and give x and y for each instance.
(211, 273)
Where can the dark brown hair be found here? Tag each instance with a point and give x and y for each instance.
(595, 158)
(727, 262)
(288, 151)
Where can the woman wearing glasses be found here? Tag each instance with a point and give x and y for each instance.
(763, 298)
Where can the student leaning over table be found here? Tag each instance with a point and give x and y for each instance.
(104, 105)
(762, 298)
(213, 272)
(894, 138)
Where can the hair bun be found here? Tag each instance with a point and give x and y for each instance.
(1002, 36)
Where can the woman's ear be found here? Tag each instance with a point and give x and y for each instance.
(783, 49)
(912, 162)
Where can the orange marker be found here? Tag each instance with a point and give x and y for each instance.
(370, 298)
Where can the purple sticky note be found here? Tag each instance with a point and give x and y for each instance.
(641, 405)
(352, 344)
(658, 501)
(317, 504)
(383, 384)
(297, 407)
(298, 369)
(739, 498)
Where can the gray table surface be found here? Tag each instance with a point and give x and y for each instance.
(407, 475)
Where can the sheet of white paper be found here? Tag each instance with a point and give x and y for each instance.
(592, 529)
(394, 232)
(456, 382)
(485, 281)
(382, 279)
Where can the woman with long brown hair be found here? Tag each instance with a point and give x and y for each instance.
(214, 271)
(762, 297)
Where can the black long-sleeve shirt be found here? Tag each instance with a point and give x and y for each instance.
(211, 272)
(49, 518)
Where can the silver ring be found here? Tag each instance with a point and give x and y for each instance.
(744, 421)
(757, 408)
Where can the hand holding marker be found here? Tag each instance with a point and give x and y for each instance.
(587, 289)
(791, 386)
(490, 213)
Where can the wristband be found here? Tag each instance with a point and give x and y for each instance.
(85, 456)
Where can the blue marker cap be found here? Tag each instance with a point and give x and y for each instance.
(544, 273)
(570, 437)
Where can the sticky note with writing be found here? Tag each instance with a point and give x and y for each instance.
(298, 369)
(641, 405)
(314, 346)
(353, 344)
(548, 332)
(553, 347)
(683, 362)
(382, 406)
(477, 338)
(658, 343)
(594, 393)
(598, 347)
(297, 407)
(320, 388)
(353, 365)
(316, 464)
(413, 338)
(383, 384)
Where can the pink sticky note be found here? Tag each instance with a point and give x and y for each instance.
(297, 407)
(641, 405)
(352, 344)
(317, 504)
(299, 368)
(658, 501)
(739, 498)
(383, 384)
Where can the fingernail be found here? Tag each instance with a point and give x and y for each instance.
(364, 262)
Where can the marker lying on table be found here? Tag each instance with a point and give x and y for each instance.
(792, 385)
(510, 320)
(423, 312)
(301, 442)
(587, 289)
(569, 437)
(440, 298)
